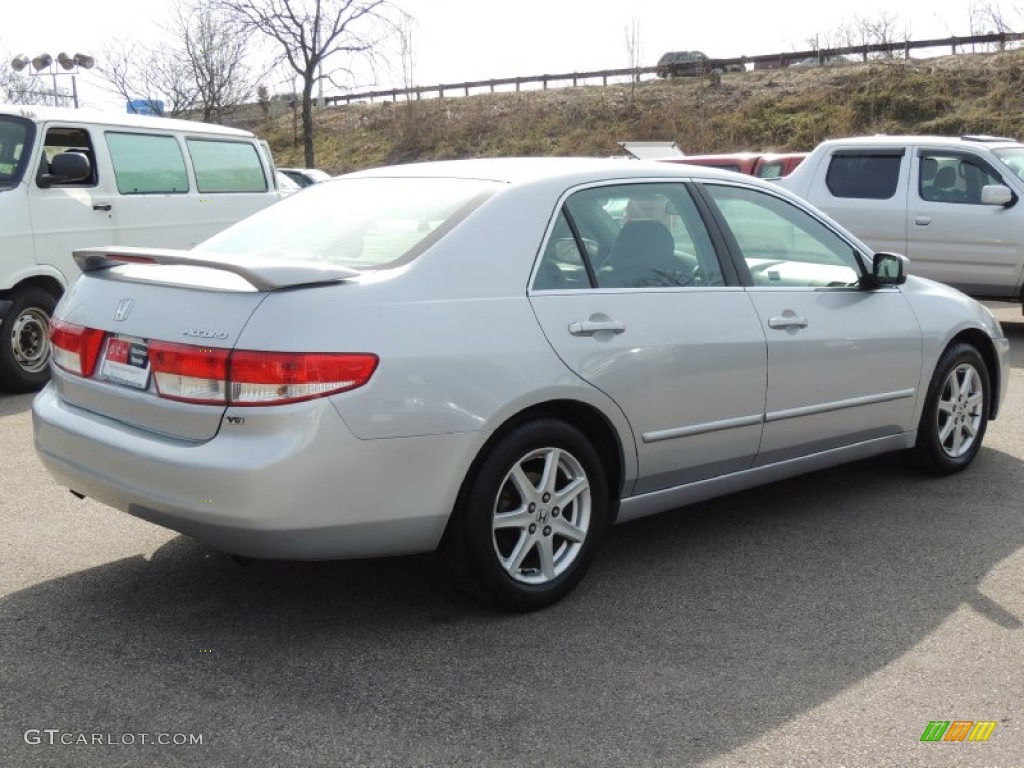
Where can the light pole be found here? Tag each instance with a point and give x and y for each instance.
(44, 61)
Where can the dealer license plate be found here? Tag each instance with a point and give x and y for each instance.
(126, 362)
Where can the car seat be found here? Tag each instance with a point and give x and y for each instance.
(945, 184)
(643, 256)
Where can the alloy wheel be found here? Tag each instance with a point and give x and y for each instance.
(541, 516)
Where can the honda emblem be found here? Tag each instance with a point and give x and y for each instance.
(124, 306)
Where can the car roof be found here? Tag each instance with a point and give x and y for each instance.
(118, 119)
(571, 170)
(884, 140)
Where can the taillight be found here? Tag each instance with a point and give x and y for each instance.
(187, 373)
(259, 378)
(75, 348)
(219, 376)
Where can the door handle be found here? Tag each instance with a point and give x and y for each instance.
(787, 321)
(590, 327)
(923, 221)
(102, 207)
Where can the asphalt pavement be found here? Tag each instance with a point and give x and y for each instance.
(821, 621)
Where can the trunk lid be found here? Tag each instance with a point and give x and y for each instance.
(138, 296)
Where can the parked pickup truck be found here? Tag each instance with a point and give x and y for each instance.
(951, 204)
(762, 165)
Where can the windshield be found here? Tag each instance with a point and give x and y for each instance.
(366, 223)
(16, 134)
(1013, 157)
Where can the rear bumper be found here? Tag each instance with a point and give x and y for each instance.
(291, 482)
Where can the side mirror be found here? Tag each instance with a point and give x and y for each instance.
(67, 168)
(889, 269)
(997, 194)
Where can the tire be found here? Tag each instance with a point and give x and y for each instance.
(25, 341)
(539, 550)
(955, 413)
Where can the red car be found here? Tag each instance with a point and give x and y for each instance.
(765, 166)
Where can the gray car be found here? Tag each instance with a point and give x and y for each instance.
(499, 358)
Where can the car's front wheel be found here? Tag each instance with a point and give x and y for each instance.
(955, 412)
(532, 516)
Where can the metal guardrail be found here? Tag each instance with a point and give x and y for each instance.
(765, 61)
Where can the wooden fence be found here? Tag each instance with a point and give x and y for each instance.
(764, 61)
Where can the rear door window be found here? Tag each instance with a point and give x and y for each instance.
(147, 164)
(226, 166)
(647, 235)
(869, 175)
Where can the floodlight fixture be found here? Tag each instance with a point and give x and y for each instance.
(44, 61)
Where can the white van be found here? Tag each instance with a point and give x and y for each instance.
(72, 178)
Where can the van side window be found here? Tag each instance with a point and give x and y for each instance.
(147, 163)
(864, 176)
(59, 140)
(226, 166)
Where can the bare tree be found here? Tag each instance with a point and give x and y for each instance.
(215, 51)
(16, 88)
(407, 55)
(202, 68)
(881, 29)
(635, 52)
(150, 74)
(827, 42)
(311, 33)
(988, 17)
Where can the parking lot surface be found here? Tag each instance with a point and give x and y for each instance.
(822, 621)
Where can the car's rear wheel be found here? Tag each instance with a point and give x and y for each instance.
(532, 518)
(25, 341)
(955, 412)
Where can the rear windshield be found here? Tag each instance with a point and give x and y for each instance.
(368, 223)
(16, 136)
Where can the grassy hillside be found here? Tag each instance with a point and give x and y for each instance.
(789, 109)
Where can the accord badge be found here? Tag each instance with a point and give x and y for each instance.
(200, 333)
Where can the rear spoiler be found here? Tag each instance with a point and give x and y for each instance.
(262, 274)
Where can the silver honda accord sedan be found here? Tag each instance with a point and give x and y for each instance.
(498, 359)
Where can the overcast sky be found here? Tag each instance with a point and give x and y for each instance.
(457, 40)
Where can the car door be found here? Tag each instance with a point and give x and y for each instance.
(631, 295)
(844, 362)
(71, 215)
(953, 237)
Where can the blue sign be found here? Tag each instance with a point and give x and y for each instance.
(146, 107)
